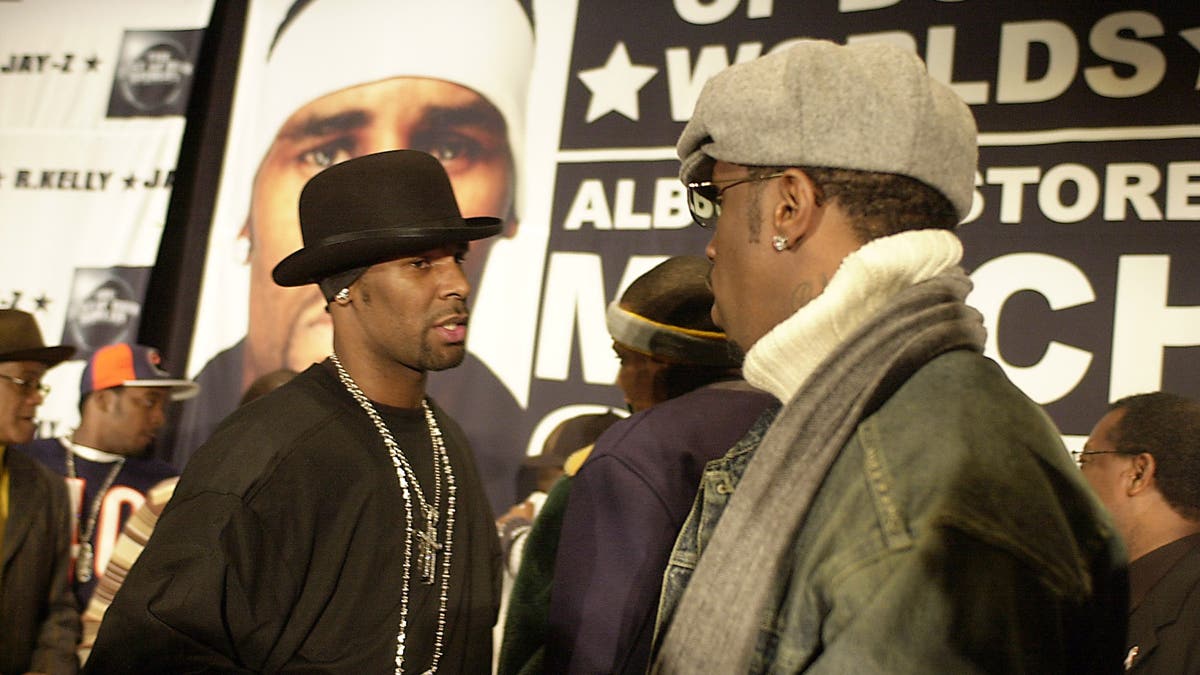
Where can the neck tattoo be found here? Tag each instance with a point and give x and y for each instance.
(85, 559)
(428, 544)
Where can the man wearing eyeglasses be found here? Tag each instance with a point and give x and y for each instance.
(1143, 461)
(123, 397)
(908, 509)
(39, 623)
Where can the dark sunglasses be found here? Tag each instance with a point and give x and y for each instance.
(704, 197)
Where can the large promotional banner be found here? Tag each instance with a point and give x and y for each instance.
(561, 117)
(92, 103)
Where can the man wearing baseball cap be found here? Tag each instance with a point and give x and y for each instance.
(336, 524)
(123, 396)
(39, 622)
(908, 509)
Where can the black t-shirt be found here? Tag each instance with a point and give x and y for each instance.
(282, 548)
(472, 580)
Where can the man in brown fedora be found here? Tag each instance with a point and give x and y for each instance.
(337, 523)
(37, 610)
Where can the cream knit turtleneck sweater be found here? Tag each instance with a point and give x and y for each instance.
(783, 359)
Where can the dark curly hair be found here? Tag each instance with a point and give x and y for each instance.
(878, 204)
(1168, 427)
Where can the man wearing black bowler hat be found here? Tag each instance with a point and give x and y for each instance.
(338, 523)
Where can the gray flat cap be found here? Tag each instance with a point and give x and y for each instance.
(867, 106)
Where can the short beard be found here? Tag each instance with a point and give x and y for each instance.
(433, 364)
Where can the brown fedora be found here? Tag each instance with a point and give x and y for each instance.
(375, 208)
(20, 340)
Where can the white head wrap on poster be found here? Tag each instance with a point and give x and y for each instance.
(483, 45)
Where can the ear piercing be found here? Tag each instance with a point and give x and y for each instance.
(780, 242)
(343, 295)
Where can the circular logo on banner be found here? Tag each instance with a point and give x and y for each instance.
(155, 78)
(106, 315)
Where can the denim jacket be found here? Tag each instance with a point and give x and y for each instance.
(952, 534)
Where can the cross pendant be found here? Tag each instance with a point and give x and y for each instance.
(427, 548)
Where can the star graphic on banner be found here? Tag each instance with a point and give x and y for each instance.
(43, 303)
(93, 63)
(615, 85)
(130, 180)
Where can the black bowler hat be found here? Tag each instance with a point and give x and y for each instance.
(375, 208)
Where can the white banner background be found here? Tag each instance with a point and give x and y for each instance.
(83, 169)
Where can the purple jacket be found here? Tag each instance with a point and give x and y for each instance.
(627, 504)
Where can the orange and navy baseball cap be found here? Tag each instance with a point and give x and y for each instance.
(126, 365)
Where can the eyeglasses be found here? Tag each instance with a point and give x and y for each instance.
(28, 387)
(1078, 455)
(704, 197)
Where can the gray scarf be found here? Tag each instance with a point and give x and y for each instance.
(716, 626)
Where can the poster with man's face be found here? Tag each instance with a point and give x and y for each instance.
(298, 110)
(1077, 242)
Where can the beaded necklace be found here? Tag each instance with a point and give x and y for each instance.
(427, 545)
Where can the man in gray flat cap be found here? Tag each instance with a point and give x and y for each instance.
(908, 509)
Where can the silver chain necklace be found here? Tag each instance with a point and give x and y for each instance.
(427, 545)
(84, 561)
